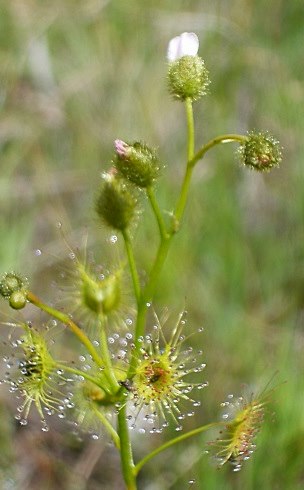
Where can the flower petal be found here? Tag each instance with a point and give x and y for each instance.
(185, 44)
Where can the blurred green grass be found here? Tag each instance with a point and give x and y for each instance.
(75, 76)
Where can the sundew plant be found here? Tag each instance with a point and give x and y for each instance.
(145, 376)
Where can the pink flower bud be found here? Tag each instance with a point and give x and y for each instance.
(121, 148)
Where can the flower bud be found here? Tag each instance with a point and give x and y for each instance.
(10, 283)
(187, 75)
(186, 44)
(101, 296)
(137, 163)
(260, 151)
(188, 78)
(17, 300)
(115, 203)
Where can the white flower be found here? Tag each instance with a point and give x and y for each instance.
(186, 44)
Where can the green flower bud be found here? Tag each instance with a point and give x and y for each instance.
(137, 162)
(101, 296)
(12, 282)
(188, 78)
(260, 151)
(17, 300)
(115, 203)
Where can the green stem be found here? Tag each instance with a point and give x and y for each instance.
(190, 126)
(132, 265)
(157, 212)
(126, 450)
(108, 426)
(176, 440)
(108, 371)
(146, 297)
(181, 204)
(160, 258)
(224, 138)
(66, 320)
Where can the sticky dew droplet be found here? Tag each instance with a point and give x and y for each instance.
(44, 427)
(113, 239)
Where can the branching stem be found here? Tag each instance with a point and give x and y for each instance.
(224, 138)
(157, 212)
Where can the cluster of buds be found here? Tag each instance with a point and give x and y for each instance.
(13, 287)
(135, 166)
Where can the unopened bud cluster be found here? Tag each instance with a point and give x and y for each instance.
(135, 166)
(14, 288)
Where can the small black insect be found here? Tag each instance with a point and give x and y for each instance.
(127, 384)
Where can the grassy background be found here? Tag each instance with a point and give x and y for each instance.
(76, 75)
